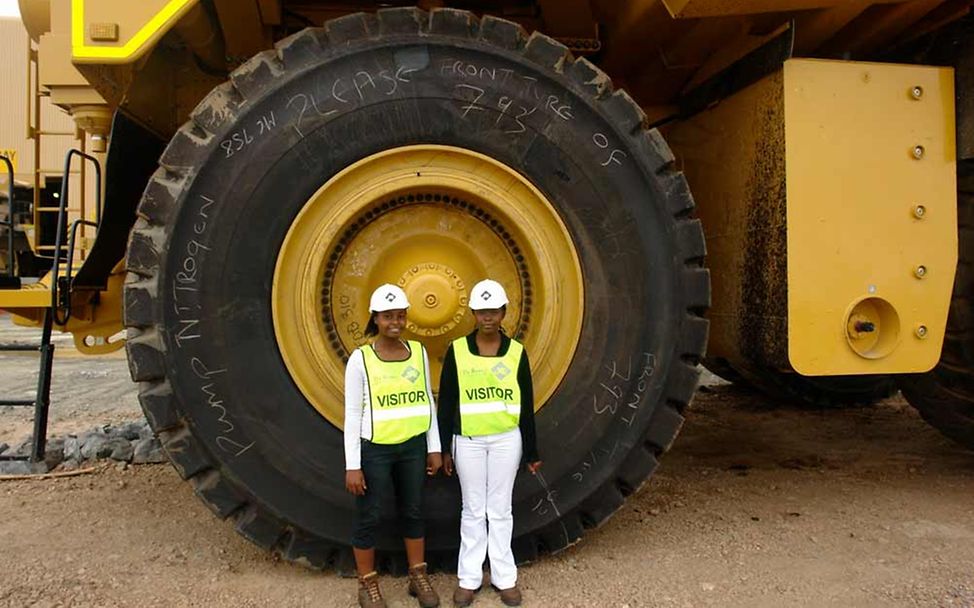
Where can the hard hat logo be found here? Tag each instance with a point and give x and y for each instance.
(489, 294)
(388, 297)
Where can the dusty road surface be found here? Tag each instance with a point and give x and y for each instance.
(754, 506)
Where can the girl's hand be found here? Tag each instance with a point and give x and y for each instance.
(434, 461)
(355, 482)
(448, 465)
(534, 467)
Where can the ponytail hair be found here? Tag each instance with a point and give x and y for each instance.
(371, 328)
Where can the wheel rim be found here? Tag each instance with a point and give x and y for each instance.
(433, 220)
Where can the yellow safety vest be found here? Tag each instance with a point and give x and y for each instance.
(490, 398)
(397, 395)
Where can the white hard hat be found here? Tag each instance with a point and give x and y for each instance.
(388, 297)
(487, 294)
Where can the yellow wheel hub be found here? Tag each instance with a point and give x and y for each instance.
(433, 220)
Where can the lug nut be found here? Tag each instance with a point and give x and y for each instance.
(920, 271)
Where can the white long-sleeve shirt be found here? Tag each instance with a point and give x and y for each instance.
(358, 412)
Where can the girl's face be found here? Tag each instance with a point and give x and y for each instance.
(391, 322)
(489, 320)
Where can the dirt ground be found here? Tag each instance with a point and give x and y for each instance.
(85, 391)
(756, 505)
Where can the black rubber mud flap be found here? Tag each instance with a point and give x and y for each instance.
(213, 217)
(132, 157)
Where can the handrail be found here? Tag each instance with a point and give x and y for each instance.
(9, 222)
(72, 233)
(59, 234)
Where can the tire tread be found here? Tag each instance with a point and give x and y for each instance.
(944, 396)
(213, 116)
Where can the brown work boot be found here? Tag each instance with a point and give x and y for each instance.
(511, 597)
(420, 587)
(463, 597)
(369, 595)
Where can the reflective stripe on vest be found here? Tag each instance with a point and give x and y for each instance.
(397, 395)
(490, 397)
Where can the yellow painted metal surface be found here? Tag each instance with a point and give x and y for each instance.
(247, 35)
(36, 16)
(434, 220)
(733, 157)
(832, 246)
(871, 189)
(695, 9)
(34, 295)
(97, 326)
(138, 24)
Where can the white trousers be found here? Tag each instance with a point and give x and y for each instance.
(487, 467)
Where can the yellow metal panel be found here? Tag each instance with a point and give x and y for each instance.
(36, 16)
(244, 33)
(867, 145)
(733, 157)
(141, 24)
(691, 9)
(814, 28)
(808, 187)
(270, 12)
(35, 295)
(880, 27)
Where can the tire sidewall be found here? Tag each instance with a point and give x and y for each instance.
(226, 371)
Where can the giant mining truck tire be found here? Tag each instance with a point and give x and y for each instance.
(831, 392)
(249, 269)
(719, 366)
(944, 396)
(826, 392)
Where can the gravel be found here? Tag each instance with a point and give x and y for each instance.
(128, 442)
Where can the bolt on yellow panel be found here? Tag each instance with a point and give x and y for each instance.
(871, 215)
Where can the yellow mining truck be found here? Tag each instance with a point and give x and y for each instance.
(800, 168)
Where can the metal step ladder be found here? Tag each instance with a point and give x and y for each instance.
(59, 310)
(42, 399)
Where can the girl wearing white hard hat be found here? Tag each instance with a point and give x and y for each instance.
(391, 441)
(486, 413)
